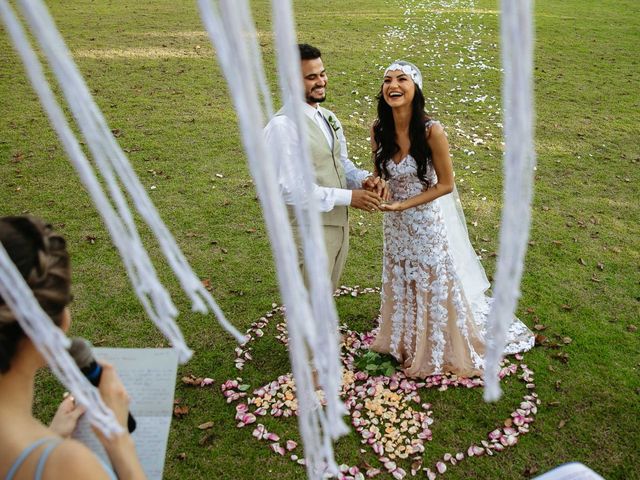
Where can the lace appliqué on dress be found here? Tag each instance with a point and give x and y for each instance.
(427, 323)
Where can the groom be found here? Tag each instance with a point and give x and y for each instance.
(339, 183)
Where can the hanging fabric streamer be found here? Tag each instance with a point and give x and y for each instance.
(51, 342)
(49, 339)
(115, 168)
(327, 353)
(519, 166)
(312, 332)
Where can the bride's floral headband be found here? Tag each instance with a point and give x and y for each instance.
(408, 68)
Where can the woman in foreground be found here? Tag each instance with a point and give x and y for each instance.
(433, 311)
(30, 450)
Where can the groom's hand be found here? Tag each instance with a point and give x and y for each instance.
(365, 200)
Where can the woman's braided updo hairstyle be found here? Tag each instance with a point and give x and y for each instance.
(41, 257)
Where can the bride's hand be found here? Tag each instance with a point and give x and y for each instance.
(392, 207)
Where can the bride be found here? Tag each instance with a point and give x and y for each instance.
(434, 310)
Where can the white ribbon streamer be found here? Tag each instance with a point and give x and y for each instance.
(112, 163)
(114, 166)
(312, 332)
(519, 165)
(327, 351)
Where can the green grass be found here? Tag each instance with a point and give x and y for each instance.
(152, 71)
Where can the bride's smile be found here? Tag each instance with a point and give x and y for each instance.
(398, 89)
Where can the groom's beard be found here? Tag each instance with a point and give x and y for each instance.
(312, 99)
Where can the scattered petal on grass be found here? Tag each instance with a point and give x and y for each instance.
(277, 448)
(291, 445)
(398, 474)
(373, 472)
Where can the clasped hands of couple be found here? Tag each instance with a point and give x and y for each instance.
(374, 196)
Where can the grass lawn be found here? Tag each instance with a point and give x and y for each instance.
(153, 72)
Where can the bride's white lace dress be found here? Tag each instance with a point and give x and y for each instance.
(427, 322)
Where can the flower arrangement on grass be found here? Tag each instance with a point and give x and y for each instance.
(384, 405)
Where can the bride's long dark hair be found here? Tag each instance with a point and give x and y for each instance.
(384, 134)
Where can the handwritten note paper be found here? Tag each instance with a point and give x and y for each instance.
(149, 375)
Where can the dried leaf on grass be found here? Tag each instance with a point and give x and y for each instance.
(180, 411)
(205, 425)
(540, 339)
(197, 381)
(562, 356)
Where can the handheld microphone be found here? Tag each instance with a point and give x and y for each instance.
(80, 351)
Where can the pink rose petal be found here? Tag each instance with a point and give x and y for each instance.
(398, 474)
(390, 465)
(247, 419)
(272, 437)
(277, 448)
(373, 472)
(291, 445)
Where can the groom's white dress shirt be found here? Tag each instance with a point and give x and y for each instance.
(279, 132)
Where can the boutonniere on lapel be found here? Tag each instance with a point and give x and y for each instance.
(333, 121)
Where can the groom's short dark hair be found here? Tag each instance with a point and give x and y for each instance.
(308, 52)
